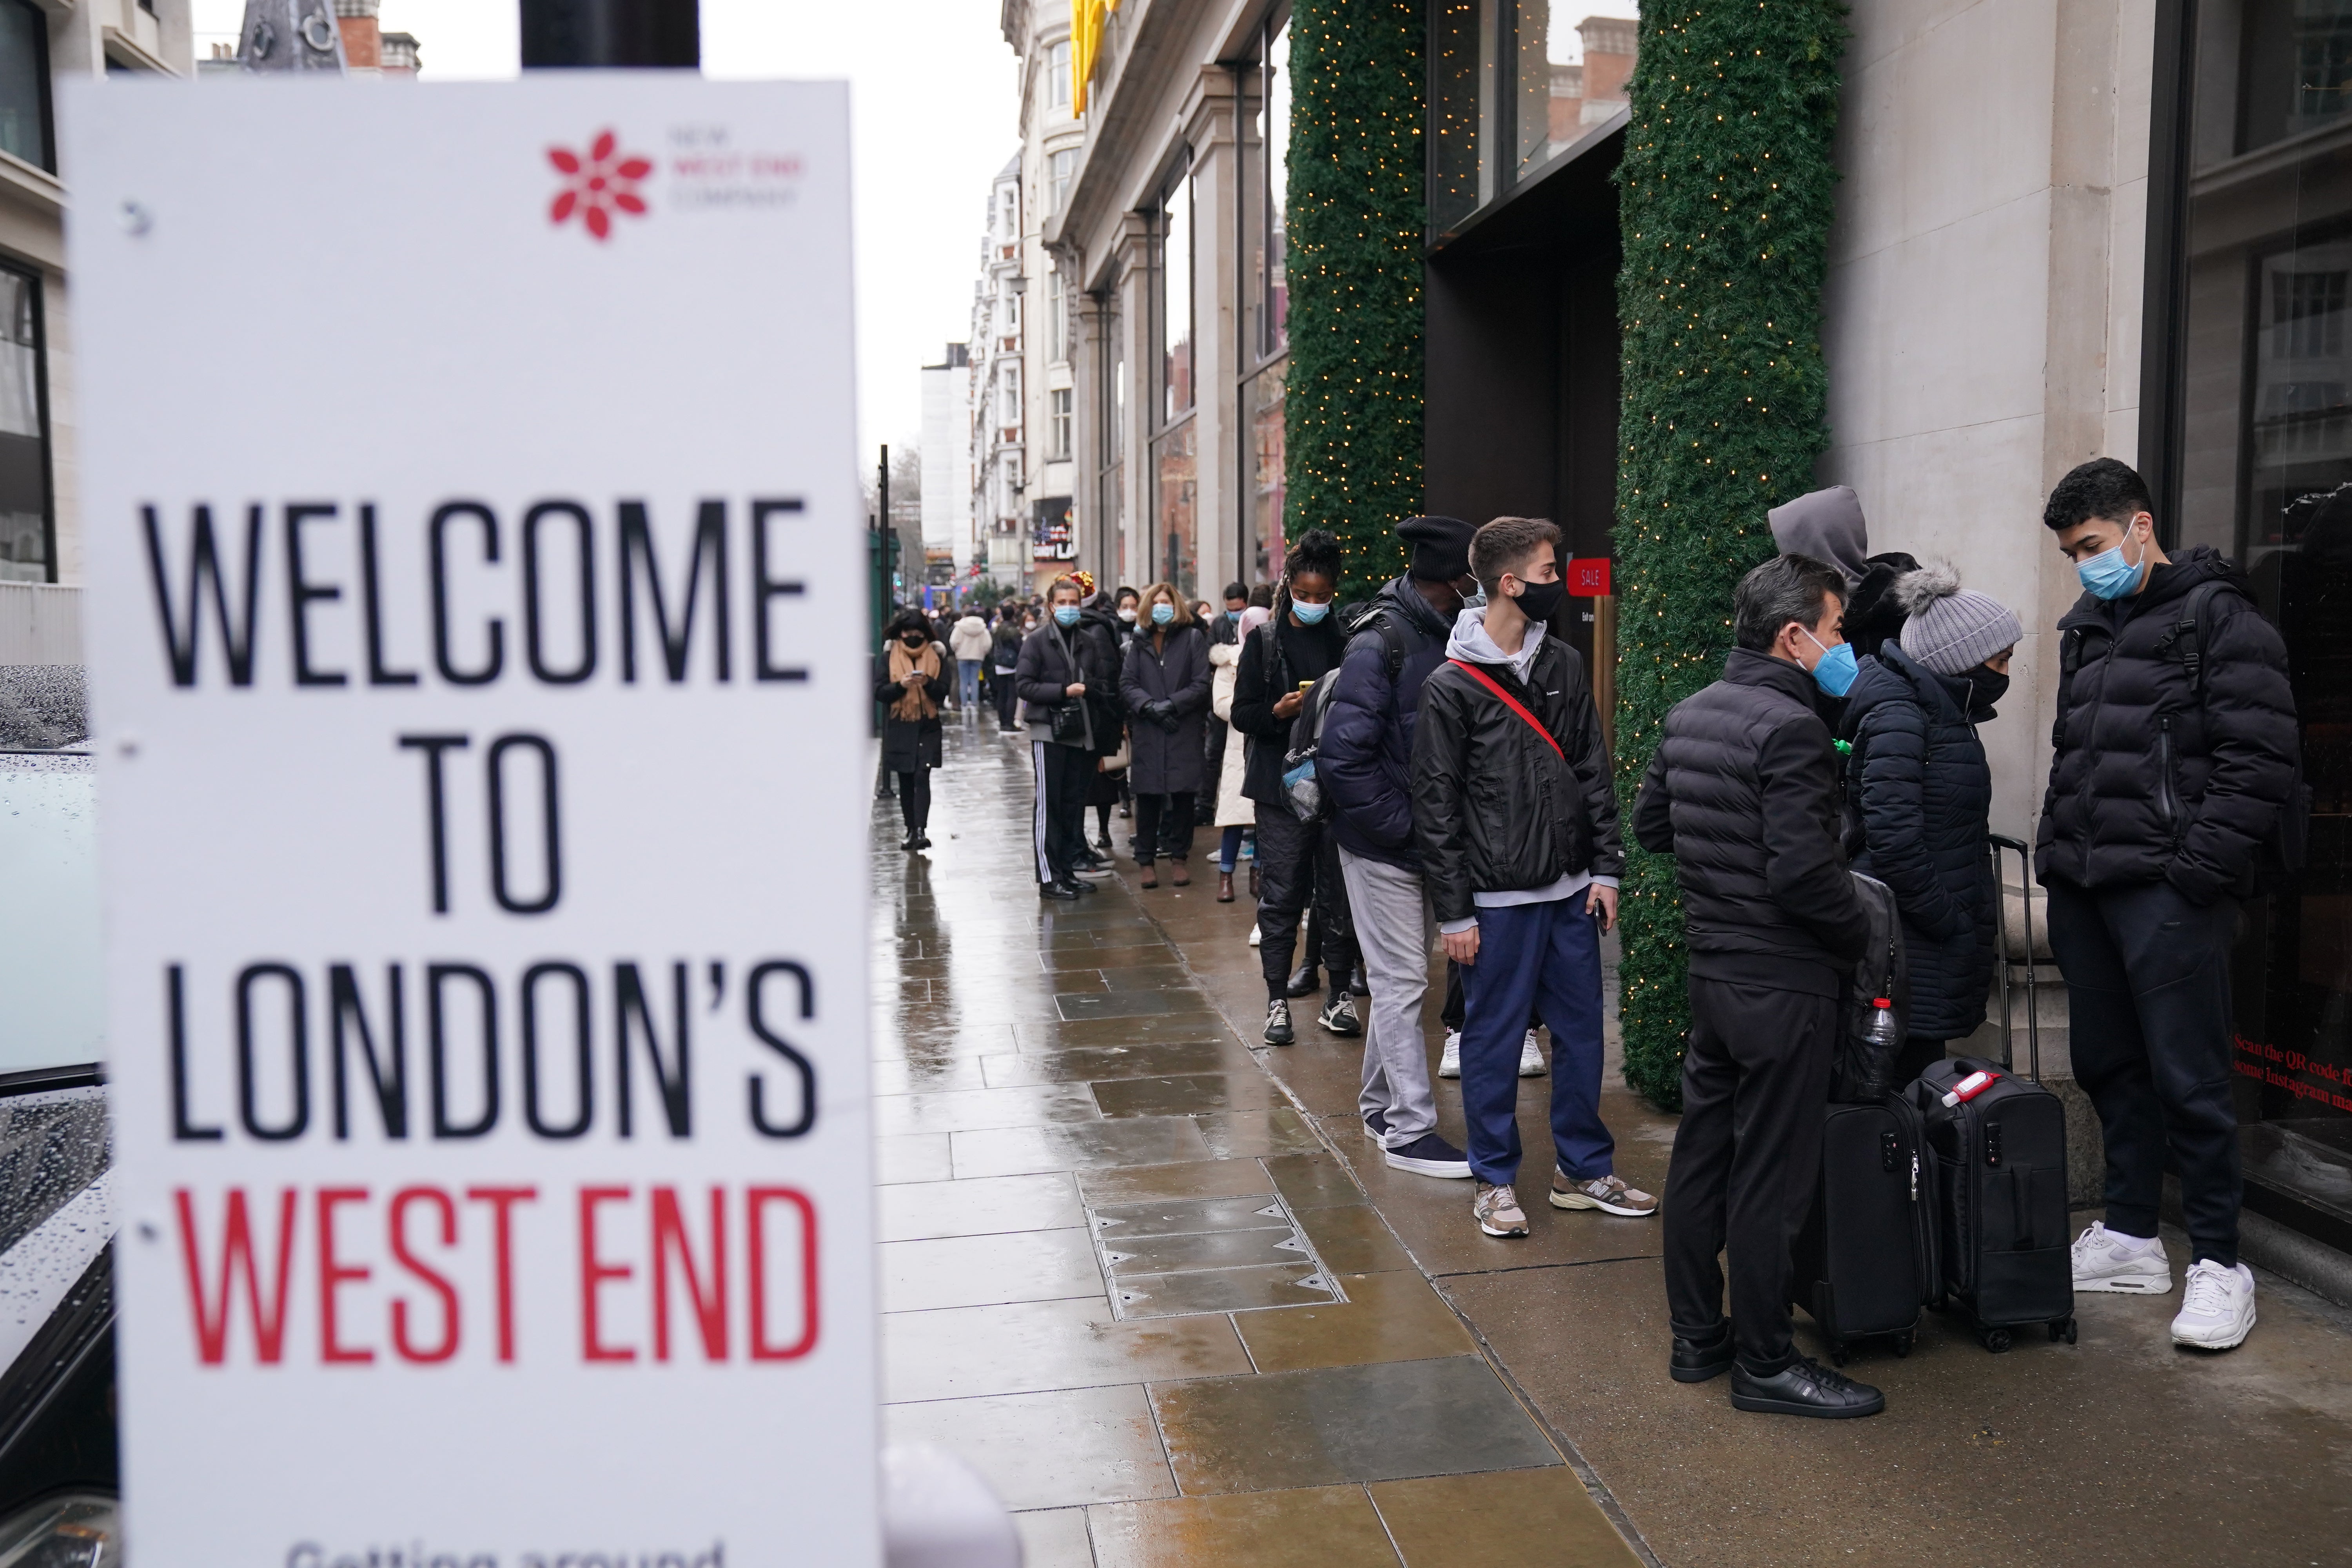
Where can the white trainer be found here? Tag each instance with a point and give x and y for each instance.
(1255, 935)
(1450, 1064)
(1531, 1058)
(2107, 1260)
(2217, 1307)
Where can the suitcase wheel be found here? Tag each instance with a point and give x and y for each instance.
(2063, 1331)
(1993, 1340)
(1903, 1343)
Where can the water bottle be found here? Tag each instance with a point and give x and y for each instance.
(1880, 1037)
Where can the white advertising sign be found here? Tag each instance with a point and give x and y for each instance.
(479, 665)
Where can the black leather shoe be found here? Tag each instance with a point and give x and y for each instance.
(1061, 891)
(1804, 1387)
(912, 841)
(1304, 981)
(1083, 887)
(1695, 1361)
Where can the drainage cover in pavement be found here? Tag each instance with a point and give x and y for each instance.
(1208, 1255)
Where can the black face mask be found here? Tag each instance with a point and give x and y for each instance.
(913, 639)
(1537, 601)
(1986, 687)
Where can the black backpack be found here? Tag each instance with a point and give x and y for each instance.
(1301, 783)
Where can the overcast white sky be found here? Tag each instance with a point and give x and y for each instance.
(933, 117)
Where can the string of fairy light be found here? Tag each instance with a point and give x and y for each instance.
(1724, 203)
(1352, 401)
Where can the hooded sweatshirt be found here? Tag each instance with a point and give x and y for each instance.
(1828, 526)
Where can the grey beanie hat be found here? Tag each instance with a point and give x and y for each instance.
(1951, 629)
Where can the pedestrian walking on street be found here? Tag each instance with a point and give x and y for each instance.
(1919, 789)
(1164, 686)
(1515, 822)
(909, 678)
(968, 642)
(1063, 665)
(1365, 764)
(1742, 791)
(1005, 658)
(2172, 796)
(1237, 814)
(1299, 862)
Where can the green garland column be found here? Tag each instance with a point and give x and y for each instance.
(1725, 206)
(1352, 408)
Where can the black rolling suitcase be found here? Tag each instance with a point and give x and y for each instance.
(2000, 1159)
(1864, 1262)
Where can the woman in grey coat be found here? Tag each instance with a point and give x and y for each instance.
(1164, 683)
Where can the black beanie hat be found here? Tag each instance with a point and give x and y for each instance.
(1440, 547)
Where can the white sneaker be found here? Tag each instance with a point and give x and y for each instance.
(1450, 1064)
(2217, 1307)
(1531, 1058)
(1254, 936)
(2107, 1260)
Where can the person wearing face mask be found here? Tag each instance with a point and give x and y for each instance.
(1164, 683)
(1742, 791)
(1365, 763)
(1067, 676)
(1299, 862)
(1005, 657)
(909, 678)
(2167, 785)
(1515, 825)
(1918, 786)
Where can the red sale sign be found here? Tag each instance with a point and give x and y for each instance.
(1587, 577)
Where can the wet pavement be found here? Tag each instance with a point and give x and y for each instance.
(1156, 1285)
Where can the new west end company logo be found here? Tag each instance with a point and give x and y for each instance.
(597, 184)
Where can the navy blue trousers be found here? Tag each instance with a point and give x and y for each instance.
(1542, 960)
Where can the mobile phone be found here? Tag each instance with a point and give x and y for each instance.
(1303, 687)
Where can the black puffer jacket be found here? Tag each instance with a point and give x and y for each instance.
(1365, 759)
(1742, 791)
(2147, 781)
(1053, 660)
(1165, 761)
(1494, 807)
(1920, 779)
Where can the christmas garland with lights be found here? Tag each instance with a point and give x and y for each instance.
(1725, 197)
(1351, 404)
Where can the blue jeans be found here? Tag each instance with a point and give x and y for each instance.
(1546, 957)
(968, 682)
(1229, 848)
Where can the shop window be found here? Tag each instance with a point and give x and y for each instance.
(1514, 85)
(25, 83)
(2247, 436)
(1268, 199)
(1264, 543)
(1175, 488)
(1173, 299)
(27, 540)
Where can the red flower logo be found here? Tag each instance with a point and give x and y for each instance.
(594, 185)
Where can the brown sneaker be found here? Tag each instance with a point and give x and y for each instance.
(1497, 1212)
(1610, 1194)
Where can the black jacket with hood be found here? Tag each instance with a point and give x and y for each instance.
(1919, 781)
(2149, 777)
(1742, 791)
(1496, 808)
(1365, 760)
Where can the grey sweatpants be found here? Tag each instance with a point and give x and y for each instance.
(1394, 928)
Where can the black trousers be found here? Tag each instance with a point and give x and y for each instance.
(1008, 699)
(1058, 824)
(915, 799)
(1164, 826)
(1298, 868)
(1756, 1079)
(2148, 996)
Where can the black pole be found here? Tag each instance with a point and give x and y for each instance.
(557, 32)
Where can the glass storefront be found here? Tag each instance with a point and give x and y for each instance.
(1175, 506)
(1265, 491)
(1175, 467)
(25, 533)
(1265, 301)
(2251, 353)
(1565, 68)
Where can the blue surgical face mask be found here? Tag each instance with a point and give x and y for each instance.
(1066, 615)
(1835, 672)
(1309, 614)
(2107, 575)
(1161, 613)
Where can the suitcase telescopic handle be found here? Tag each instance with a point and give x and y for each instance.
(2025, 899)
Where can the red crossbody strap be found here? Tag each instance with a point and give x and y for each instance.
(1509, 701)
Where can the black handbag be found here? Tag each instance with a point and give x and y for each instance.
(1069, 722)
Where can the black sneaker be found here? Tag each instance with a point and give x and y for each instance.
(1430, 1155)
(1695, 1361)
(1082, 887)
(1278, 1023)
(1804, 1387)
(1376, 1125)
(1304, 980)
(1339, 1016)
(1359, 982)
(1059, 891)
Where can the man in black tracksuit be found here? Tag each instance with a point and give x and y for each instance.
(2168, 776)
(1743, 792)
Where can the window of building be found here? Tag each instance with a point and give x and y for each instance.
(1110, 478)
(1263, 164)
(2246, 436)
(1272, 316)
(1009, 403)
(1058, 415)
(1057, 320)
(1173, 298)
(28, 536)
(25, 83)
(1057, 75)
(1059, 167)
(1008, 216)
(1515, 85)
